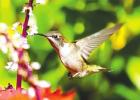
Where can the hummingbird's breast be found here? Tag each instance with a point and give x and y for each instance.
(70, 56)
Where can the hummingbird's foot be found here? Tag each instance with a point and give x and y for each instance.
(78, 74)
(70, 75)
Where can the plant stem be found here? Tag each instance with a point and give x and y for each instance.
(37, 92)
(21, 51)
(19, 77)
(25, 24)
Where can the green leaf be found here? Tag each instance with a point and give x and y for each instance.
(133, 70)
(117, 64)
(127, 93)
(7, 14)
(54, 76)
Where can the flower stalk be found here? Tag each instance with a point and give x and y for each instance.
(25, 24)
(21, 64)
(21, 51)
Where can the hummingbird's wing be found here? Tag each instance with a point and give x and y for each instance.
(91, 42)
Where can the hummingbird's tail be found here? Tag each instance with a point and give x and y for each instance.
(96, 68)
(89, 69)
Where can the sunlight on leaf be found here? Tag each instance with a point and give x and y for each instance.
(80, 5)
(134, 21)
(9, 16)
(79, 27)
(120, 38)
(128, 4)
(133, 70)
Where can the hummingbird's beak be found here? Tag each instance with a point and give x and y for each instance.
(44, 35)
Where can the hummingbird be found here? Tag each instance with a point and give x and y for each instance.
(74, 55)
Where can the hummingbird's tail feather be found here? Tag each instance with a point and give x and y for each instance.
(89, 70)
(96, 68)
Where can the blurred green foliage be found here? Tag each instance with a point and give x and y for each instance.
(76, 19)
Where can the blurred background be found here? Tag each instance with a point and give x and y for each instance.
(76, 19)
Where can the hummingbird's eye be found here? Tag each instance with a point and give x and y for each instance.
(54, 36)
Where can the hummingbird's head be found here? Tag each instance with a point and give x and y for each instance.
(53, 35)
(55, 38)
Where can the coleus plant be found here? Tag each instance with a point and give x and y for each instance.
(16, 46)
